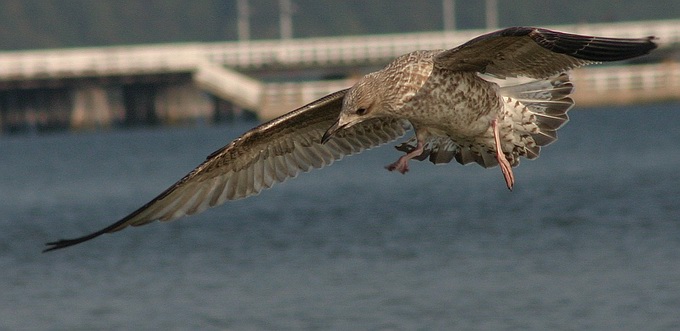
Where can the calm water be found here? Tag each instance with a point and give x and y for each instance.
(589, 239)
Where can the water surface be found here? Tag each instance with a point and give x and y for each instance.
(589, 239)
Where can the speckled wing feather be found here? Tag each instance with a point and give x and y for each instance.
(537, 53)
(263, 156)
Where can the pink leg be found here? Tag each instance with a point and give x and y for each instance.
(402, 163)
(506, 168)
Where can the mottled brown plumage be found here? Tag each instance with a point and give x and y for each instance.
(446, 96)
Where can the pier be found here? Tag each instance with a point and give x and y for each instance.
(88, 88)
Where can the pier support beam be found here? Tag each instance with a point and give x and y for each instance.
(34, 110)
(181, 103)
(140, 105)
(96, 107)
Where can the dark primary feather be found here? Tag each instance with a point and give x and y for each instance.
(537, 53)
(263, 156)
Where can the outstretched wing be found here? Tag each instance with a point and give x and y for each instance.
(537, 53)
(267, 154)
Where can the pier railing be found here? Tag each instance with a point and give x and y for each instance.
(627, 84)
(272, 54)
(380, 48)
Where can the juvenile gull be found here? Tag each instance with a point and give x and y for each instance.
(450, 98)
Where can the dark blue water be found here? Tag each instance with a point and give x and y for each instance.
(589, 239)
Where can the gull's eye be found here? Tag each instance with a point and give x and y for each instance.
(361, 111)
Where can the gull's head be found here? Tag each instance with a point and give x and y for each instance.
(360, 103)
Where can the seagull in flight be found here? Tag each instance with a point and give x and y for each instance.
(451, 99)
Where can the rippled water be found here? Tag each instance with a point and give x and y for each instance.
(589, 239)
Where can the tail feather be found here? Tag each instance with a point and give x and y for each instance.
(544, 137)
(532, 152)
(552, 116)
(535, 110)
(546, 102)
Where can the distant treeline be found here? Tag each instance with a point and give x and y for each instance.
(30, 24)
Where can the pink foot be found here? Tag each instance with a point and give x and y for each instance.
(505, 166)
(402, 163)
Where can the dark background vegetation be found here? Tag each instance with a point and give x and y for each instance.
(29, 24)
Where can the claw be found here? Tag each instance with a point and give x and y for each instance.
(401, 164)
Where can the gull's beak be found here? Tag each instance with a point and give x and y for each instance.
(331, 131)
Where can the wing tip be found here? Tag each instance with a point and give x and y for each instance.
(593, 48)
(63, 243)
